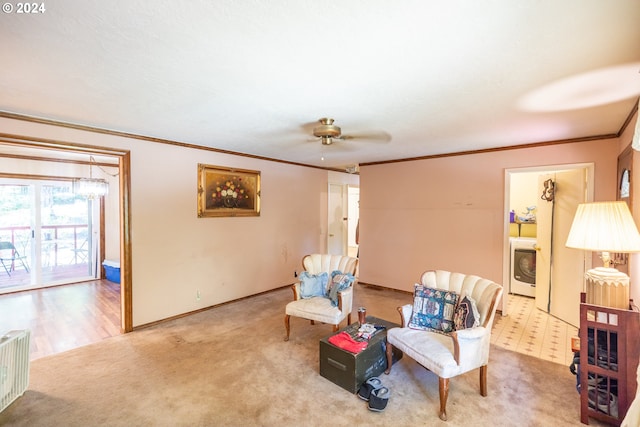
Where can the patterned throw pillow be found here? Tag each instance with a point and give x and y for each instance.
(339, 282)
(433, 309)
(313, 285)
(467, 314)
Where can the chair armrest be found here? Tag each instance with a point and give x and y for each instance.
(470, 333)
(345, 300)
(405, 314)
(467, 341)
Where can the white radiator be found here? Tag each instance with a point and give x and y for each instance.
(14, 366)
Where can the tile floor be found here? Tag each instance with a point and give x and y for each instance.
(528, 330)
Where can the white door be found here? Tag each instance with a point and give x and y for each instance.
(560, 270)
(544, 220)
(337, 221)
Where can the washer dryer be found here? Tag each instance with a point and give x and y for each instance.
(523, 266)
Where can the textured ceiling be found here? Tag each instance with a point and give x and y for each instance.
(413, 78)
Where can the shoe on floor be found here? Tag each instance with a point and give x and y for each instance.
(365, 390)
(379, 399)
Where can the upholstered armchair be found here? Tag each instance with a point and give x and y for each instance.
(318, 306)
(461, 349)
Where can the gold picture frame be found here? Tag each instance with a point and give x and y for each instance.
(224, 191)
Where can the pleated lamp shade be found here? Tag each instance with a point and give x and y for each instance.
(604, 226)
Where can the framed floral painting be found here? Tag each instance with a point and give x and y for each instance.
(226, 191)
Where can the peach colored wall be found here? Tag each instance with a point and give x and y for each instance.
(448, 213)
(175, 254)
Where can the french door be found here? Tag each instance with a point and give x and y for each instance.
(53, 234)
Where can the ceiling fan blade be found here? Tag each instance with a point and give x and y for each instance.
(369, 136)
(307, 128)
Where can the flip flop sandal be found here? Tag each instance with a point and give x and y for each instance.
(379, 399)
(368, 387)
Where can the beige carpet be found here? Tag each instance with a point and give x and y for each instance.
(229, 366)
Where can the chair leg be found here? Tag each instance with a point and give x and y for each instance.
(349, 319)
(286, 326)
(389, 352)
(483, 380)
(444, 394)
(6, 269)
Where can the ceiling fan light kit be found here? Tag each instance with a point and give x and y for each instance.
(327, 131)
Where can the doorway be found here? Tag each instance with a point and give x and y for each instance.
(353, 202)
(57, 160)
(557, 290)
(343, 217)
(337, 221)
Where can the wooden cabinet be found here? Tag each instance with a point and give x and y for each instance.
(609, 353)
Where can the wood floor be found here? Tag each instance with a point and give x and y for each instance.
(63, 317)
(20, 278)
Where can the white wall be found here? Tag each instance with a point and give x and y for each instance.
(111, 214)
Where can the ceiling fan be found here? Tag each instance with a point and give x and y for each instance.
(328, 132)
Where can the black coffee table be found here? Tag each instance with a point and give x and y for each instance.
(349, 370)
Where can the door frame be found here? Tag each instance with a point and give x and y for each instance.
(508, 172)
(124, 209)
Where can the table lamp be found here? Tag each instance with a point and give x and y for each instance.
(605, 227)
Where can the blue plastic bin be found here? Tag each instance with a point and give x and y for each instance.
(112, 270)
